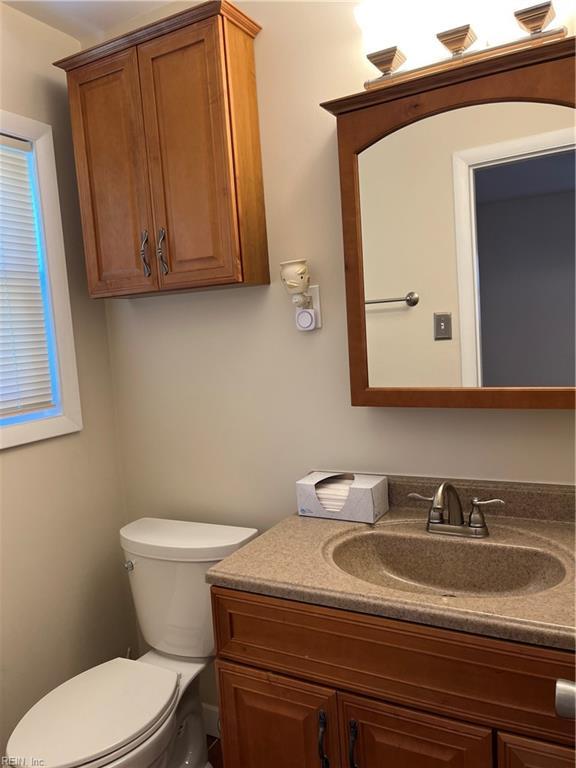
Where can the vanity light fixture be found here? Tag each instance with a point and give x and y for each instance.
(457, 40)
(295, 277)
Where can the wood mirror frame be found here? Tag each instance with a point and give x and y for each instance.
(542, 73)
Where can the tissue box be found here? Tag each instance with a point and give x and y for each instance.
(365, 500)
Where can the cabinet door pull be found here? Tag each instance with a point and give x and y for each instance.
(566, 699)
(143, 257)
(322, 720)
(160, 252)
(353, 736)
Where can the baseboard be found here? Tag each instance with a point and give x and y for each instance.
(211, 716)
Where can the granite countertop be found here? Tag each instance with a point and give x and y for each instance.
(294, 560)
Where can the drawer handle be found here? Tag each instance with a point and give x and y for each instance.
(322, 721)
(566, 699)
(160, 252)
(353, 736)
(143, 258)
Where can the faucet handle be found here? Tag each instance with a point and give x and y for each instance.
(476, 519)
(484, 503)
(434, 515)
(419, 497)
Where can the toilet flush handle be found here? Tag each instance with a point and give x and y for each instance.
(129, 565)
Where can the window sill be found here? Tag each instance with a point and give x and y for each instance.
(41, 429)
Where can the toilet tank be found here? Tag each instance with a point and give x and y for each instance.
(166, 562)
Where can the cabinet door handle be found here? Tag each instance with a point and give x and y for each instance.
(143, 257)
(566, 699)
(353, 736)
(322, 721)
(160, 252)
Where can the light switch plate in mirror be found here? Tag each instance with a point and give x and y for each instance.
(442, 326)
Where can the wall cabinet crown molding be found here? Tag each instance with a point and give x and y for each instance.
(159, 28)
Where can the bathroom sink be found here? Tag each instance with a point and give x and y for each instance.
(423, 562)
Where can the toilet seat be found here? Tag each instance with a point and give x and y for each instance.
(98, 716)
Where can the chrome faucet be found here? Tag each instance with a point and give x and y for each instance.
(445, 514)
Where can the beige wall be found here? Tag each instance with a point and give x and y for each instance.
(409, 234)
(64, 605)
(222, 403)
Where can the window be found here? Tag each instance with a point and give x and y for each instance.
(38, 381)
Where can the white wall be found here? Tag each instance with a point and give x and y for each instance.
(64, 605)
(408, 234)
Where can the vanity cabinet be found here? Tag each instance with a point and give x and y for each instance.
(167, 147)
(275, 721)
(517, 752)
(375, 734)
(392, 692)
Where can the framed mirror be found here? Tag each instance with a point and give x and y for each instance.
(458, 215)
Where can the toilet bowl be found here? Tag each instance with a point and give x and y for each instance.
(144, 713)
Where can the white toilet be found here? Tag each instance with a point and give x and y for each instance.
(145, 713)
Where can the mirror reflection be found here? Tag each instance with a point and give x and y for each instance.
(481, 228)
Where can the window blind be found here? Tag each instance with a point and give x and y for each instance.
(28, 379)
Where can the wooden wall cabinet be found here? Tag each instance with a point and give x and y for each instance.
(167, 147)
(301, 685)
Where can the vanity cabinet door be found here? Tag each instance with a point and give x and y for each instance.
(110, 151)
(186, 114)
(375, 735)
(517, 752)
(268, 720)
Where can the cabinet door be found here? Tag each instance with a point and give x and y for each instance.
(268, 720)
(517, 752)
(375, 735)
(110, 151)
(183, 77)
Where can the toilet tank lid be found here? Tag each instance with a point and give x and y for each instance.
(183, 540)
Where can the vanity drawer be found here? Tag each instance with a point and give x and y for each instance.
(498, 683)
